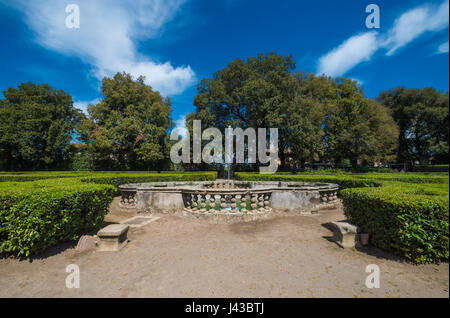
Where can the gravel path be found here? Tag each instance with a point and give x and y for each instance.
(176, 257)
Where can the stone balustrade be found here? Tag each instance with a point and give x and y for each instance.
(128, 198)
(328, 199)
(229, 200)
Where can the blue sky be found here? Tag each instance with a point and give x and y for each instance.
(176, 43)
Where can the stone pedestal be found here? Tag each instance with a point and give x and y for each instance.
(345, 234)
(86, 242)
(113, 237)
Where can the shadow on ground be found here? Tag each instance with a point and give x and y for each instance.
(368, 249)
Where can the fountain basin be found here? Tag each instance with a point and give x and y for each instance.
(228, 202)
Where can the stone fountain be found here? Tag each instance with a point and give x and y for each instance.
(229, 201)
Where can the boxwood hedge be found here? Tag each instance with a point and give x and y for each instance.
(430, 168)
(344, 181)
(348, 180)
(405, 219)
(37, 215)
(109, 175)
(39, 210)
(124, 178)
(406, 214)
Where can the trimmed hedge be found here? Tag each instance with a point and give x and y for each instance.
(124, 178)
(105, 175)
(40, 213)
(37, 215)
(430, 168)
(405, 219)
(33, 176)
(344, 181)
(347, 180)
(405, 213)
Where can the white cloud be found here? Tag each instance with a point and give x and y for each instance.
(360, 82)
(443, 48)
(415, 22)
(357, 49)
(107, 37)
(409, 26)
(83, 105)
(180, 126)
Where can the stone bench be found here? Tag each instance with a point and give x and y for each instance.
(113, 237)
(345, 234)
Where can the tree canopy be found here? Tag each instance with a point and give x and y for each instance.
(128, 128)
(36, 127)
(355, 127)
(422, 115)
(318, 118)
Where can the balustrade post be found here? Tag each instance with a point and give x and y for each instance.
(243, 203)
(233, 202)
(195, 202)
(261, 202)
(223, 203)
(266, 202)
(253, 201)
(203, 202)
(212, 203)
(188, 204)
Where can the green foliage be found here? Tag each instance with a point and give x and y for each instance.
(405, 213)
(422, 115)
(344, 181)
(430, 168)
(36, 123)
(381, 170)
(346, 163)
(60, 206)
(37, 215)
(346, 177)
(83, 161)
(111, 177)
(411, 221)
(354, 127)
(38, 175)
(128, 128)
(317, 117)
(260, 92)
(124, 178)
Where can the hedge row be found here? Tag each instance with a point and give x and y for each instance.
(33, 176)
(124, 178)
(347, 180)
(344, 181)
(430, 168)
(37, 215)
(406, 219)
(401, 212)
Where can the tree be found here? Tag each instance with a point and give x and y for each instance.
(422, 115)
(301, 131)
(128, 128)
(36, 127)
(357, 128)
(318, 117)
(257, 93)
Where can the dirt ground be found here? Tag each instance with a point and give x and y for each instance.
(177, 257)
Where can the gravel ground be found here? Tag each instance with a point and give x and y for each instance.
(177, 257)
